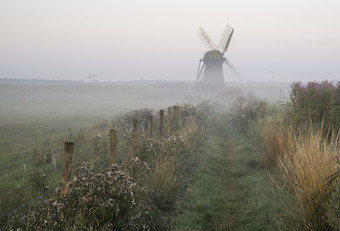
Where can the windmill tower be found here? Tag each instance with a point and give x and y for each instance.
(210, 73)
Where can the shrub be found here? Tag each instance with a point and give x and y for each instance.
(38, 180)
(106, 200)
(123, 124)
(198, 113)
(314, 102)
(246, 110)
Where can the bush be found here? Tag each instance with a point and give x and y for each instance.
(197, 113)
(38, 180)
(245, 111)
(107, 200)
(123, 124)
(314, 103)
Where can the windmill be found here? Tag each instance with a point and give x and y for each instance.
(210, 73)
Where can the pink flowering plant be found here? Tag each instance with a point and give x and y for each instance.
(110, 199)
(133, 194)
(315, 103)
(124, 123)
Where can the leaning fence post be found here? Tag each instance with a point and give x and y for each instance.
(134, 138)
(161, 116)
(150, 127)
(67, 167)
(169, 121)
(113, 145)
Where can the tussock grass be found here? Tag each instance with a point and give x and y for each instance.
(305, 159)
(193, 140)
(275, 138)
(167, 182)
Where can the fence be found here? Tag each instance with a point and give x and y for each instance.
(173, 126)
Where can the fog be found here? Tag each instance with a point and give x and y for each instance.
(156, 40)
(78, 104)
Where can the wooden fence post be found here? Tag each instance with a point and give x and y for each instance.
(113, 146)
(134, 138)
(67, 167)
(54, 162)
(180, 117)
(161, 116)
(169, 121)
(150, 127)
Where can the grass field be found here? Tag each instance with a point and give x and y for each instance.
(230, 191)
(227, 188)
(33, 116)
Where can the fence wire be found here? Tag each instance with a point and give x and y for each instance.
(49, 154)
(39, 198)
(32, 159)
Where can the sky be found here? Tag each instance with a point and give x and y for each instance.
(284, 40)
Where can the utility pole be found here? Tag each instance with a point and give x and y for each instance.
(92, 78)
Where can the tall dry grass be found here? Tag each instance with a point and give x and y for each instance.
(305, 160)
(276, 138)
(167, 182)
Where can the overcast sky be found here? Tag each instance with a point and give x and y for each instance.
(154, 39)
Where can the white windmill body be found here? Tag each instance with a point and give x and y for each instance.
(210, 68)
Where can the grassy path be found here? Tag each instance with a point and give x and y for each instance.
(230, 191)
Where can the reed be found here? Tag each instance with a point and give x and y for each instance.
(305, 159)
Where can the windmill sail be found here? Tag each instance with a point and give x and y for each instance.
(233, 70)
(224, 37)
(206, 39)
(228, 41)
(200, 71)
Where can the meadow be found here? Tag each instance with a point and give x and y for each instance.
(168, 173)
(300, 150)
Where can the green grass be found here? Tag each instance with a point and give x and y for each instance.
(36, 119)
(230, 190)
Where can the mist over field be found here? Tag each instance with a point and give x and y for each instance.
(169, 115)
(42, 100)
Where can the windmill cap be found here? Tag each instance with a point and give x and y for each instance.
(213, 56)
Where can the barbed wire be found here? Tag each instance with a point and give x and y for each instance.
(38, 198)
(49, 154)
(32, 159)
